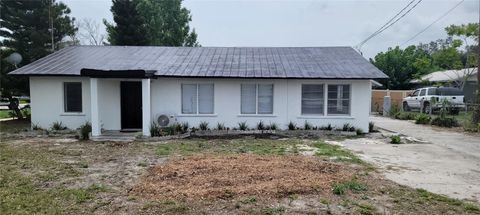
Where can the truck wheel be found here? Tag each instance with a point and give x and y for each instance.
(426, 108)
(406, 107)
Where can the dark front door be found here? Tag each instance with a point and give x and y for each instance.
(131, 104)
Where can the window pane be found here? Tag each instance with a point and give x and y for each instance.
(265, 99)
(189, 98)
(205, 98)
(338, 99)
(248, 99)
(312, 99)
(73, 97)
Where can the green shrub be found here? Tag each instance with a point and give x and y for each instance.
(273, 126)
(178, 128)
(85, 130)
(327, 128)
(371, 127)
(359, 131)
(348, 127)
(307, 126)
(339, 188)
(394, 110)
(395, 139)
(242, 126)
(155, 130)
(57, 126)
(445, 122)
(203, 126)
(260, 126)
(405, 115)
(185, 127)
(292, 126)
(220, 126)
(423, 118)
(167, 131)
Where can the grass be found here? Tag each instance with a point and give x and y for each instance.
(337, 152)
(340, 188)
(5, 114)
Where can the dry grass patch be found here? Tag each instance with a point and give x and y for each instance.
(226, 176)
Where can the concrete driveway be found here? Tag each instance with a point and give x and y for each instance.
(449, 164)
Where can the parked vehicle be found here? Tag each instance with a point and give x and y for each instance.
(429, 99)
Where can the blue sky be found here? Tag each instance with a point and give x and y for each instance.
(306, 23)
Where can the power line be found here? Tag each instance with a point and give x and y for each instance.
(438, 19)
(389, 24)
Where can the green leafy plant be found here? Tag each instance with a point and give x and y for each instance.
(445, 122)
(185, 127)
(348, 127)
(395, 139)
(220, 126)
(169, 130)
(57, 126)
(260, 126)
(85, 130)
(273, 126)
(307, 125)
(423, 118)
(242, 126)
(292, 126)
(155, 130)
(340, 188)
(178, 128)
(371, 127)
(359, 131)
(405, 115)
(203, 126)
(394, 110)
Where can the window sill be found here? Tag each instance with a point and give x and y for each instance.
(72, 114)
(325, 117)
(197, 115)
(256, 115)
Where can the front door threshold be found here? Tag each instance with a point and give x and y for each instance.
(131, 130)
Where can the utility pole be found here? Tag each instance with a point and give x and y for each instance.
(50, 19)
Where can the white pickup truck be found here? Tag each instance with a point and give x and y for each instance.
(429, 99)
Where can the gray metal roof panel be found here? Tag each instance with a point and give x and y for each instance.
(241, 62)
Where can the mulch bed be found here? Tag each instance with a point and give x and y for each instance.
(226, 176)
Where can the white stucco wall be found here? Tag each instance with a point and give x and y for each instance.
(47, 102)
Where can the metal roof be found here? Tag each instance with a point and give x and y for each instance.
(238, 62)
(448, 75)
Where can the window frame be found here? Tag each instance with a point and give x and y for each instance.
(424, 91)
(198, 99)
(256, 100)
(64, 85)
(324, 86)
(349, 100)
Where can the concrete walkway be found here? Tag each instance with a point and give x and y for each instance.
(449, 164)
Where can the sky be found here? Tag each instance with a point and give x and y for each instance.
(306, 22)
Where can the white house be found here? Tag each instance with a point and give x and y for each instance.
(128, 87)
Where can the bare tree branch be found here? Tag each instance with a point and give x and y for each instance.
(89, 32)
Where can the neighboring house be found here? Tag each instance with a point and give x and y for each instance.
(128, 87)
(462, 78)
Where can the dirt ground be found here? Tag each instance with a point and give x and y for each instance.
(57, 174)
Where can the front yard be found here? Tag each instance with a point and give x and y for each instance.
(244, 175)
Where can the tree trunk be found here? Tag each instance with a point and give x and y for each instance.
(14, 103)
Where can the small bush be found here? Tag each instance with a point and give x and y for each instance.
(327, 128)
(203, 126)
(185, 127)
(36, 127)
(348, 127)
(260, 126)
(371, 127)
(220, 126)
(292, 126)
(155, 130)
(423, 119)
(353, 185)
(405, 116)
(178, 128)
(85, 130)
(359, 131)
(394, 110)
(167, 131)
(445, 122)
(273, 126)
(242, 126)
(307, 126)
(395, 139)
(57, 126)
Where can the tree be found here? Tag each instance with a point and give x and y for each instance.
(129, 28)
(167, 23)
(402, 65)
(89, 32)
(26, 29)
(466, 32)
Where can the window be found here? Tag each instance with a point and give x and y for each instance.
(432, 91)
(72, 96)
(415, 93)
(197, 98)
(256, 99)
(312, 99)
(338, 99)
(422, 92)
